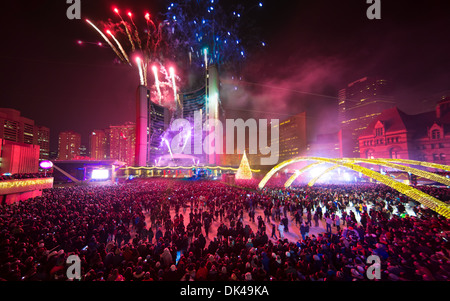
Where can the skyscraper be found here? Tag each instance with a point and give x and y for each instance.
(122, 142)
(97, 145)
(360, 103)
(152, 121)
(43, 140)
(292, 141)
(69, 143)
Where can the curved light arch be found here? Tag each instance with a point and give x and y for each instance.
(419, 163)
(315, 179)
(423, 198)
(388, 163)
(415, 171)
(299, 172)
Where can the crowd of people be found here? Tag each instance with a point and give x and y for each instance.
(177, 230)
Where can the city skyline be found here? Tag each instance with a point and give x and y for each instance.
(332, 45)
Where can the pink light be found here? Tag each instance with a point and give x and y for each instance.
(147, 16)
(46, 164)
(138, 60)
(171, 71)
(116, 10)
(129, 14)
(155, 69)
(79, 42)
(99, 44)
(108, 31)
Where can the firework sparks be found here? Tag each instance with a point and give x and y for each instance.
(157, 83)
(136, 32)
(119, 45)
(105, 38)
(174, 85)
(116, 10)
(192, 26)
(141, 73)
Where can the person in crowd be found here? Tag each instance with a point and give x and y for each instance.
(103, 226)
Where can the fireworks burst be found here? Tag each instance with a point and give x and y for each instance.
(192, 35)
(203, 32)
(127, 41)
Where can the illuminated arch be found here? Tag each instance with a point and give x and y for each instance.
(388, 163)
(315, 179)
(419, 163)
(414, 171)
(299, 172)
(423, 198)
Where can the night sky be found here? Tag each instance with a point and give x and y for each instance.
(313, 46)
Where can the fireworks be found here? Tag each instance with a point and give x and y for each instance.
(141, 73)
(174, 84)
(119, 45)
(105, 38)
(193, 26)
(157, 84)
(190, 33)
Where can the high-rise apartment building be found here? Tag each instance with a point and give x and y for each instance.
(43, 140)
(122, 142)
(292, 133)
(16, 128)
(360, 103)
(69, 143)
(98, 147)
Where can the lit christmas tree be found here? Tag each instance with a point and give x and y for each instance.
(244, 172)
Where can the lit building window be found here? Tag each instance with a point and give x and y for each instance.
(435, 134)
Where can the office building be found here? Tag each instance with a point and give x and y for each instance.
(69, 143)
(122, 143)
(152, 120)
(359, 104)
(98, 145)
(43, 140)
(293, 140)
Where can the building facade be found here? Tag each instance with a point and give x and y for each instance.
(16, 128)
(359, 104)
(23, 143)
(69, 143)
(43, 140)
(98, 145)
(293, 140)
(122, 143)
(424, 137)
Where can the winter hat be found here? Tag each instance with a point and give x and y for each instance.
(248, 276)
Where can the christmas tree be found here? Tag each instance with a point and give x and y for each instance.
(244, 172)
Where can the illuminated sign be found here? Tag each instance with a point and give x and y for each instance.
(46, 164)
